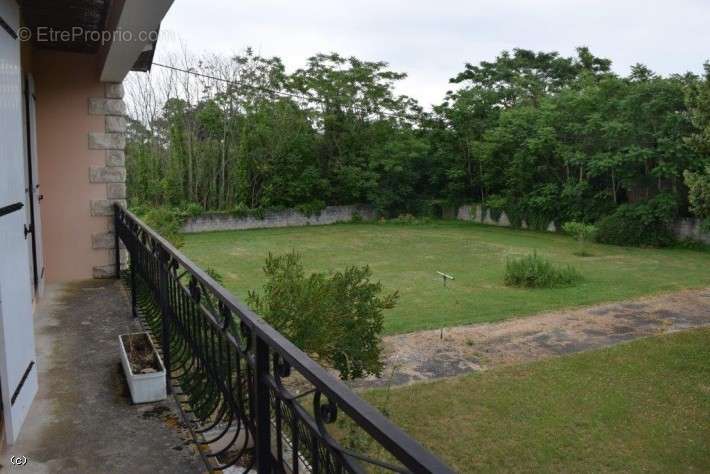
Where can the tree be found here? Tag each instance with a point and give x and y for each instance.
(525, 77)
(347, 98)
(536, 134)
(698, 100)
(276, 163)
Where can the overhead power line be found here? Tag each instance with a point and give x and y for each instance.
(281, 93)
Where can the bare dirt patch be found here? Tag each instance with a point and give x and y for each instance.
(427, 355)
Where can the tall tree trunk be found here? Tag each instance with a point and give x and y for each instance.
(223, 168)
(190, 178)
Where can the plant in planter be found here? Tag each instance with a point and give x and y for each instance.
(143, 367)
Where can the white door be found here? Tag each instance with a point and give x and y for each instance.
(18, 372)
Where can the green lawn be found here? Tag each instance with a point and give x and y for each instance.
(637, 407)
(407, 257)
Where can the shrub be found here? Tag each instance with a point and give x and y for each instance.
(138, 208)
(409, 219)
(699, 194)
(495, 205)
(240, 210)
(538, 222)
(403, 219)
(534, 271)
(216, 276)
(193, 210)
(311, 208)
(167, 222)
(431, 208)
(582, 233)
(646, 224)
(692, 244)
(336, 317)
(258, 213)
(541, 206)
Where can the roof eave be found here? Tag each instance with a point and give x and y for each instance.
(140, 21)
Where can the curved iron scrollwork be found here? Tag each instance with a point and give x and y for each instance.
(251, 397)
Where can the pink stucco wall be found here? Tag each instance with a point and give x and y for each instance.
(64, 84)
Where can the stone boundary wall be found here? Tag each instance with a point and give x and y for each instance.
(683, 229)
(691, 229)
(285, 218)
(474, 213)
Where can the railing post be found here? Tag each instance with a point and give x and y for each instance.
(132, 266)
(165, 322)
(262, 407)
(116, 242)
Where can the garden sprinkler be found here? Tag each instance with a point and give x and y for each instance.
(445, 277)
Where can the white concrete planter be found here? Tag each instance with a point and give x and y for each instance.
(145, 388)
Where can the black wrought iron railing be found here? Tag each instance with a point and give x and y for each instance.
(252, 398)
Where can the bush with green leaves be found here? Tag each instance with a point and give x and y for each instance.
(582, 233)
(646, 224)
(192, 210)
(167, 222)
(240, 210)
(408, 219)
(311, 208)
(495, 206)
(337, 318)
(534, 271)
(216, 276)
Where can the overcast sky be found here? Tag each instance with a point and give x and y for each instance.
(432, 40)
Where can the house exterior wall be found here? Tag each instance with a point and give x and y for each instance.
(80, 141)
(78, 124)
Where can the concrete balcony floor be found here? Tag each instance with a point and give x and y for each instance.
(82, 419)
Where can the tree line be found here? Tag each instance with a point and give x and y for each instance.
(538, 135)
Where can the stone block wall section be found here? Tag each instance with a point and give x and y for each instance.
(684, 229)
(475, 213)
(691, 229)
(284, 218)
(112, 175)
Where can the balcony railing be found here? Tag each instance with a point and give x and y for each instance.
(251, 397)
